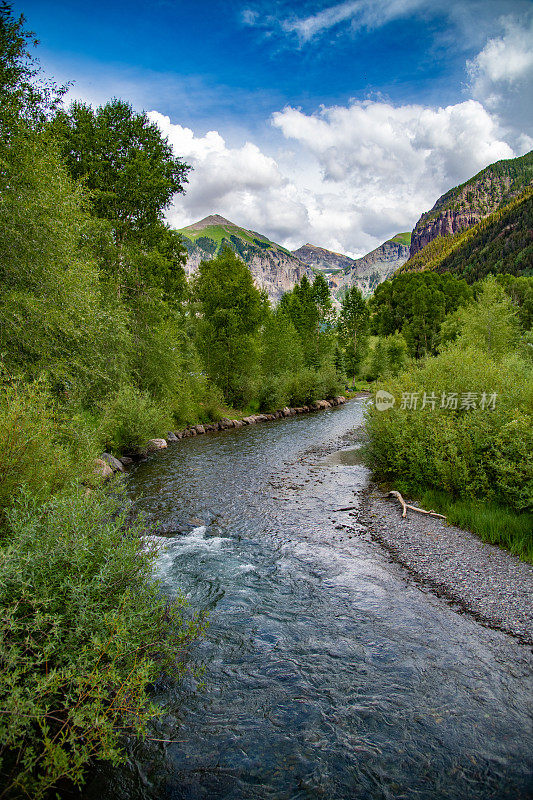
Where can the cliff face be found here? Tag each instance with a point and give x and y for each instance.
(369, 271)
(322, 259)
(274, 269)
(466, 205)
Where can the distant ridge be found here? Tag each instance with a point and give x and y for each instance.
(366, 272)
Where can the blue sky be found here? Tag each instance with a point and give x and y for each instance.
(337, 123)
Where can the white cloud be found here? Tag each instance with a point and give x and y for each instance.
(501, 76)
(360, 13)
(353, 176)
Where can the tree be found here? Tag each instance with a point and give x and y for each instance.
(125, 162)
(230, 309)
(352, 327)
(131, 174)
(321, 296)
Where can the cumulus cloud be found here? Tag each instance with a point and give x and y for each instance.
(353, 176)
(242, 183)
(501, 75)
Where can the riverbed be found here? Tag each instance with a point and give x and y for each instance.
(328, 671)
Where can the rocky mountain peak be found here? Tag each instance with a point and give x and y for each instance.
(212, 219)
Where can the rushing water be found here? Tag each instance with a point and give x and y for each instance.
(328, 672)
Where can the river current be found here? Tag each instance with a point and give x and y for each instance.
(327, 671)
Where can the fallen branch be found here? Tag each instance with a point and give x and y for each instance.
(347, 508)
(405, 506)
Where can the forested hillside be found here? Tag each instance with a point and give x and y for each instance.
(500, 243)
(467, 204)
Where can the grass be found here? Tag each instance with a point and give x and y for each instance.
(493, 523)
(402, 238)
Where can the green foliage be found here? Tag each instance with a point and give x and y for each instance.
(489, 323)
(387, 357)
(83, 632)
(40, 448)
(477, 455)
(230, 312)
(352, 328)
(130, 418)
(281, 348)
(309, 307)
(500, 243)
(125, 162)
(415, 305)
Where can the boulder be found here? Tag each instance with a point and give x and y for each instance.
(305, 409)
(102, 468)
(249, 420)
(171, 437)
(340, 400)
(126, 460)
(225, 423)
(114, 463)
(286, 411)
(178, 434)
(200, 429)
(155, 444)
(238, 423)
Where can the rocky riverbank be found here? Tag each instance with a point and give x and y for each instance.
(479, 578)
(107, 464)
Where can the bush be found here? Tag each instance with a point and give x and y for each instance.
(474, 455)
(83, 631)
(39, 447)
(132, 417)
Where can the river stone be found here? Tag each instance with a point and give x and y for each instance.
(286, 411)
(178, 435)
(102, 468)
(155, 444)
(171, 437)
(200, 429)
(113, 462)
(249, 420)
(238, 423)
(126, 460)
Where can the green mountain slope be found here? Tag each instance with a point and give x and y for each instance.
(467, 204)
(274, 268)
(500, 243)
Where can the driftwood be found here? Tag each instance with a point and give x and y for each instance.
(346, 508)
(405, 506)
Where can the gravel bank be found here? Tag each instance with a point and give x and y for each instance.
(490, 583)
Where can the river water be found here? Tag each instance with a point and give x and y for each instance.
(329, 673)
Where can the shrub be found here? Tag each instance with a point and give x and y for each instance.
(83, 631)
(39, 447)
(132, 417)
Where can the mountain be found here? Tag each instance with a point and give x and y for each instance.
(502, 242)
(366, 272)
(324, 260)
(466, 205)
(274, 268)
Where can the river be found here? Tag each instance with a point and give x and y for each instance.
(328, 672)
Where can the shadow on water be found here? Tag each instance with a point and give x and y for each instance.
(328, 672)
